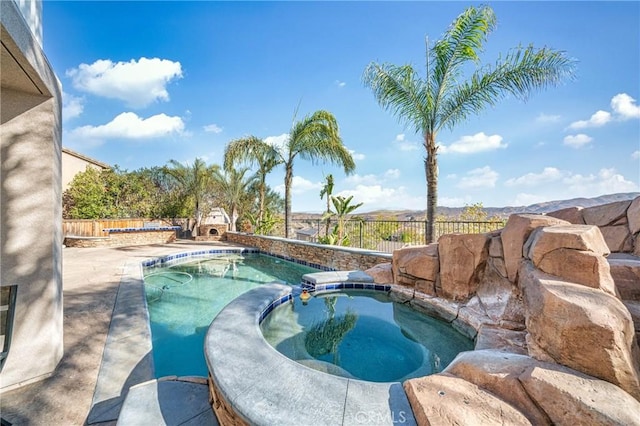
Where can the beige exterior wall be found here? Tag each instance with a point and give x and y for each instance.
(30, 195)
(72, 164)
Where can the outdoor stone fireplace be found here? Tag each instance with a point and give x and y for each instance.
(214, 232)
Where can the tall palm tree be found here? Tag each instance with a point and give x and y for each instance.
(443, 98)
(317, 138)
(195, 182)
(232, 189)
(253, 151)
(327, 189)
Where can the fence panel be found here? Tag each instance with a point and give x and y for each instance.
(94, 227)
(388, 235)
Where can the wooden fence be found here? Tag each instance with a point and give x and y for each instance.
(94, 227)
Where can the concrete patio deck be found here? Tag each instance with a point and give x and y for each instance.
(91, 278)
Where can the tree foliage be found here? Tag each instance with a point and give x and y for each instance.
(444, 98)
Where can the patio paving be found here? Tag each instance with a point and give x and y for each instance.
(91, 277)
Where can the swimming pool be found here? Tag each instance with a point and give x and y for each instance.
(364, 335)
(184, 298)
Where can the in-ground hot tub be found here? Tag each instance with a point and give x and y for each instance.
(363, 334)
(251, 382)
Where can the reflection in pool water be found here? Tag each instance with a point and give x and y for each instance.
(364, 335)
(184, 298)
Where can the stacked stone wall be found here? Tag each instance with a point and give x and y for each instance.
(121, 239)
(334, 257)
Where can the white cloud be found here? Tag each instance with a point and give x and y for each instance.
(600, 118)
(624, 107)
(340, 83)
(473, 144)
(548, 174)
(405, 145)
(356, 155)
(138, 83)
(72, 106)
(212, 128)
(279, 143)
(392, 174)
(357, 179)
(379, 197)
(635, 155)
(577, 141)
(129, 126)
(300, 185)
(482, 177)
(606, 181)
(546, 118)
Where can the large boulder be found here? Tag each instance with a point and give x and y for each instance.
(443, 399)
(417, 267)
(462, 260)
(580, 327)
(501, 339)
(606, 214)
(381, 274)
(625, 270)
(618, 238)
(570, 214)
(633, 216)
(498, 373)
(571, 398)
(515, 234)
(574, 253)
(500, 299)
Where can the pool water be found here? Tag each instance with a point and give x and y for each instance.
(363, 335)
(184, 298)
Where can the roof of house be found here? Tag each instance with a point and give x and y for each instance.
(85, 158)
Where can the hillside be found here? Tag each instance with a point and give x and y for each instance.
(502, 212)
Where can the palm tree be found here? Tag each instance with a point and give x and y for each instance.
(232, 191)
(443, 98)
(316, 137)
(327, 189)
(195, 183)
(343, 208)
(249, 151)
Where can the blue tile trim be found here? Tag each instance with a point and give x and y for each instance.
(344, 286)
(167, 259)
(280, 301)
(148, 229)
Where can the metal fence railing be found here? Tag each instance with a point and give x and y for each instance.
(388, 235)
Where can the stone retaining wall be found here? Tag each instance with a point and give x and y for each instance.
(120, 239)
(334, 257)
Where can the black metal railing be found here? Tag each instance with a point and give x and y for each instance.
(386, 235)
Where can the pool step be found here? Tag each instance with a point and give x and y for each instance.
(168, 401)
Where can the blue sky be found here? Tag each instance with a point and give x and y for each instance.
(146, 82)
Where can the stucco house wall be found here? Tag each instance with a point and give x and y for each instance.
(30, 195)
(74, 163)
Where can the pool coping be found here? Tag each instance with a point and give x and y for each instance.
(264, 387)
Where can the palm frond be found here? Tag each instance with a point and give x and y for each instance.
(317, 138)
(461, 43)
(519, 74)
(250, 150)
(399, 90)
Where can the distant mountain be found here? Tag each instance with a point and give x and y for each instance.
(502, 212)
